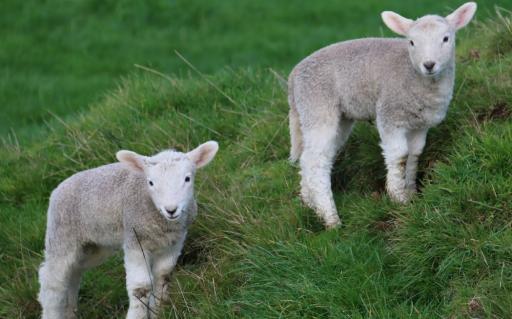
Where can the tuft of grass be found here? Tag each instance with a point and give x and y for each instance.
(501, 32)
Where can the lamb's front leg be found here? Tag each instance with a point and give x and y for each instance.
(162, 268)
(395, 151)
(415, 143)
(138, 284)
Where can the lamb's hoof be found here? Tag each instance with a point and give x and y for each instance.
(294, 162)
(333, 224)
(401, 197)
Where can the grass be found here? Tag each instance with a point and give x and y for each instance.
(255, 250)
(59, 59)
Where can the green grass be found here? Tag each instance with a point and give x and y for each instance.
(255, 251)
(58, 59)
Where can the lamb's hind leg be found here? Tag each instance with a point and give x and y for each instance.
(59, 278)
(321, 144)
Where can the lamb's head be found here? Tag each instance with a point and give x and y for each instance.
(431, 38)
(170, 175)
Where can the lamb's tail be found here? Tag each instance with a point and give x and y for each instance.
(295, 130)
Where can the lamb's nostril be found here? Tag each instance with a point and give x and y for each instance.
(171, 212)
(429, 65)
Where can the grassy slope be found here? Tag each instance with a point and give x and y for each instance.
(57, 58)
(255, 250)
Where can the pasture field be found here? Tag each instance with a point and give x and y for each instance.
(71, 96)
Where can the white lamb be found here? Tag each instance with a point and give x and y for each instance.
(404, 84)
(142, 205)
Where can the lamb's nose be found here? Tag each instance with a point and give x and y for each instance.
(429, 65)
(171, 211)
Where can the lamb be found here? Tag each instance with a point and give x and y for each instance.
(404, 84)
(142, 205)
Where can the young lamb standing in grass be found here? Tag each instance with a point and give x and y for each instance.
(142, 205)
(404, 84)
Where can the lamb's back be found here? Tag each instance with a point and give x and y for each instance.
(90, 203)
(352, 73)
(359, 60)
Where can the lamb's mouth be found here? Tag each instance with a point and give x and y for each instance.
(174, 217)
(432, 73)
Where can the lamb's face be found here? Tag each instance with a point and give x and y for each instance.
(431, 38)
(170, 176)
(431, 45)
(170, 181)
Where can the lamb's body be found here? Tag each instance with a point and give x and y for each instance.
(78, 211)
(366, 79)
(404, 84)
(142, 206)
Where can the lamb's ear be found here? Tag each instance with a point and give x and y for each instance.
(461, 17)
(132, 159)
(396, 22)
(204, 153)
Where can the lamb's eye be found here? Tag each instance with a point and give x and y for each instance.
(150, 183)
(412, 43)
(187, 179)
(445, 39)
